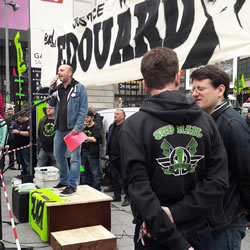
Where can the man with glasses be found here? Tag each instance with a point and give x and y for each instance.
(46, 133)
(228, 218)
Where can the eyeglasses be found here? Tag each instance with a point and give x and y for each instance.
(49, 108)
(198, 90)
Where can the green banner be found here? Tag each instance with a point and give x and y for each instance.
(21, 67)
(38, 220)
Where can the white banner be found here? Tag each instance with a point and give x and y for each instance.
(106, 46)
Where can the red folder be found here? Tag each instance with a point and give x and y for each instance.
(73, 141)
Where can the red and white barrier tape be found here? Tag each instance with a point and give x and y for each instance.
(16, 149)
(10, 213)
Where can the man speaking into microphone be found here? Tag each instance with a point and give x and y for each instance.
(71, 106)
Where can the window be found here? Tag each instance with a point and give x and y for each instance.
(245, 67)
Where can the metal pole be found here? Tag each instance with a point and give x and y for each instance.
(7, 63)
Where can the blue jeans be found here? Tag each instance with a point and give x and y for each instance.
(68, 176)
(230, 239)
(23, 157)
(91, 175)
(45, 159)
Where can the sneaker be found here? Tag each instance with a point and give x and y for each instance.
(59, 185)
(68, 191)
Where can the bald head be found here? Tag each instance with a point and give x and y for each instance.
(65, 74)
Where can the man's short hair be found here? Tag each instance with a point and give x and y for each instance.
(122, 110)
(214, 74)
(159, 67)
(92, 109)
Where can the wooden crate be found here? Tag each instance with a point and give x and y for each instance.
(86, 238)
(87, 207)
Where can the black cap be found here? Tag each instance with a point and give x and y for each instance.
(90, 113)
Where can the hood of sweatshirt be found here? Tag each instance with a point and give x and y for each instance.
(173, 107)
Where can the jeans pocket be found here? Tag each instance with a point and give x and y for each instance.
(199, 237)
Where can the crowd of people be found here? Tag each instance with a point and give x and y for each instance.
(183, 164)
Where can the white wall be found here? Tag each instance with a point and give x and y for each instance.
(43, 16)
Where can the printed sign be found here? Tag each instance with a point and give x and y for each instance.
(106, 46)
(38, 210)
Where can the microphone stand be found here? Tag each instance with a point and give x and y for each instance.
(21, 112)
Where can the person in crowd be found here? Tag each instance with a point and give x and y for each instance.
(46, 133)
(97, 117)
(3, 133)
(91, 153)
(1, 106)
(228, 218)
(22, 138)
(174, 161)
(12, 124)
(248, 118)
(71, 106)
(120, 102)
(113, 151)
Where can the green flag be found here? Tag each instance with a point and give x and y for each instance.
(235, 85)
(21, 67)
(242, 83)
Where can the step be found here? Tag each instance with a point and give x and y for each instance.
(85, 238)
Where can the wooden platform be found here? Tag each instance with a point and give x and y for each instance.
(89, 238)
(87, 207)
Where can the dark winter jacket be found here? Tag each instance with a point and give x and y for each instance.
(113, 152)
(235, 134)
(98, 120)
(173, 156)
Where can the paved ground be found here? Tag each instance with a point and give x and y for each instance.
(121, 225)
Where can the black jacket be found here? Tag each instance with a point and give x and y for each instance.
(235, 134)
(173, 156)
(113, 153)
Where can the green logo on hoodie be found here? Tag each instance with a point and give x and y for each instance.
(179, 160)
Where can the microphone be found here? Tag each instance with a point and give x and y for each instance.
(54, 82)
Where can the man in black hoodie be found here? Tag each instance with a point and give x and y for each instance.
(174, 160)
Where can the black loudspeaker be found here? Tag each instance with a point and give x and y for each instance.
(25, 178)
(20, 205)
